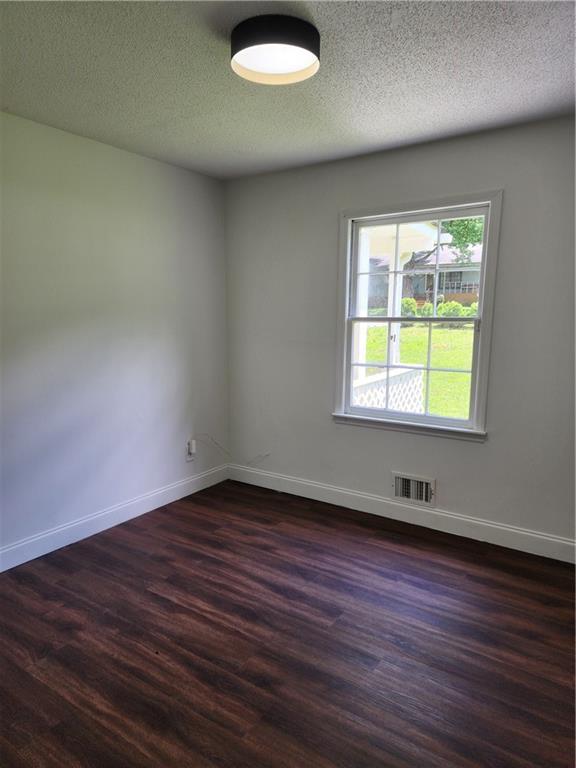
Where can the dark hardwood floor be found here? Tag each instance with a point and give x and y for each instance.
(243, 628)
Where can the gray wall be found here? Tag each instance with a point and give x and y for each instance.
(113, 326)
(282, 232)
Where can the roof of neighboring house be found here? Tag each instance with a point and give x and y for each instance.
(447, 256)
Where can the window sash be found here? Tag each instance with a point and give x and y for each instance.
(427, 369)
(395, 275)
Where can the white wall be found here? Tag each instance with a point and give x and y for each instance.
(282, 232)
(113, 333)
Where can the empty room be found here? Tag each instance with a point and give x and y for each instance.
(287, 384)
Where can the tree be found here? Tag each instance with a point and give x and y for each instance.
(465, 233)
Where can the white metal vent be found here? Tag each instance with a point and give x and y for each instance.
(416, 490)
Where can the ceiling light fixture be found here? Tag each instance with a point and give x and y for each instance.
(275, 50)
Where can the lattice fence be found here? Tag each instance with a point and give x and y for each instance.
(406, 391)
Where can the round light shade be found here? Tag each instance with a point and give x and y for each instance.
(275, 50)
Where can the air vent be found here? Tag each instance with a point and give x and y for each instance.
(416, 490)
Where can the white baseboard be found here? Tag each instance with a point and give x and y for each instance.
(47, 541)
(523, 539)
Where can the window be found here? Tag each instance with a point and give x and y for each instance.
(416, 312)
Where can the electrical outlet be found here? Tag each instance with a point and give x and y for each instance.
(190, 450)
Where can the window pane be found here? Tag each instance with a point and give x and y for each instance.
(370, 343)
(452, 345)
(369, 387)
(406, 390)
(409, 344)
(414, 294)
(376, 248)
(372, 295)
(449, 394)
(417, 245)
(461, 286)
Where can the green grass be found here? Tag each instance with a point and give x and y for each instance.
(451, 348)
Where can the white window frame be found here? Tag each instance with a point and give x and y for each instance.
(344, 412)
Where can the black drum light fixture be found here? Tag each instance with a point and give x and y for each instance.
(275, 50)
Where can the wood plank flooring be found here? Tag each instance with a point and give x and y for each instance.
(244, 628)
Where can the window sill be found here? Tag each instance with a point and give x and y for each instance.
(434, 430)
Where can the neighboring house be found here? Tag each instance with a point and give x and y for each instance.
(459, 273)
(458, 278)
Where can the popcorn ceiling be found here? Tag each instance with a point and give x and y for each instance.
(154, 78)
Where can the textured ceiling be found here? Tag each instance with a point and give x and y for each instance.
(154, 78)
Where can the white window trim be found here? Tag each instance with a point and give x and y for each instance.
(475, 429)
